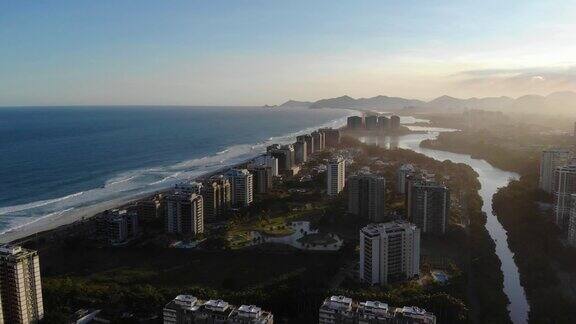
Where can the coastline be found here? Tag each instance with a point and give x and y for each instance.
(61, 220)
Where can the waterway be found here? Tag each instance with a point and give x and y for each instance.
(491, 179)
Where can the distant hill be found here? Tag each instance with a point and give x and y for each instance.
(295, 104)
(557, 102)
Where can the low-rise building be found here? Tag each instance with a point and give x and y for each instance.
(187, 309)
(344, 310)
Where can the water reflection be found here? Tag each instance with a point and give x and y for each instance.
(491, 179)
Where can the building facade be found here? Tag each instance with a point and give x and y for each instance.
(549, 162)
(319, 139)
(394, 122)
(564, 187)
(300, 152)
(354, 123)
(119, 226)
(371, 122)
(311, 145)
(331, 136)
(20, 285)
(344, 310)
(184, 213)
(187, 309)
(262, 178)
(402, 174)
(335, 176)
(429, 207)
(242, 187)
(367, 196)
(389, 252)
(216, 194)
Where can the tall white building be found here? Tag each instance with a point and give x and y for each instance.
(403, 172)
(550, 160)
(242, 187)
(389, 252)
(367, 196)
(564, 187)
(21, 286)
(335, 176)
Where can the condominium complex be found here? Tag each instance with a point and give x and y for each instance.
(572, 222)
(311, 145)
(262, 179)
(285, 155)
(319, 140)
(184, 213)
(367, 196)
(354, 122)
(429, 207)
(331, 136)
(344, 310)
(403, 172)
(187, 309)
(389, 252)
(549, 161)
(119, 226)
(241, 184)
(394, 122)
(21, 286)
(564, 187)
(335, 176)
(383, 123)
(216, 194)
(371, 122)
(267, 160)
(300, 152)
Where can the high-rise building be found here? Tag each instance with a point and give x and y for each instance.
(394, 122)
(335, 176)
(286, 157)
(119, 226)
(319, 139)
(549, 161)
(371, 122)
(331, 136)
(429, 207)
(344, 310)
(184, 213)
(267, 160)
(217, 197)
(402, 173)
(262, 179)
(389, 252)
(189, 187)
(383, 123)
(20, 285)
(300, 152)
(572, 222)
(311, 145)
(564, 187)
(187, 309)
(354, 122)
(242, 187)
(367, 196)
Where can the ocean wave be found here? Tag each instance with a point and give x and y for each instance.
(134, 183)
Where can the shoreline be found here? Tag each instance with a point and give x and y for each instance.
(60, 221)
(48, 224)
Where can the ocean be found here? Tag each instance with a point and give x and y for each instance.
(55, 160)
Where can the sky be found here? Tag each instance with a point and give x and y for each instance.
(253, 52)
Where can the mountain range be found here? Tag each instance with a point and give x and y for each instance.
(557, 102)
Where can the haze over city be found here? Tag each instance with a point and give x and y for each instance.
(266, 52)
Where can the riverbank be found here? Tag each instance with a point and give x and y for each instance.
(546, 265)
